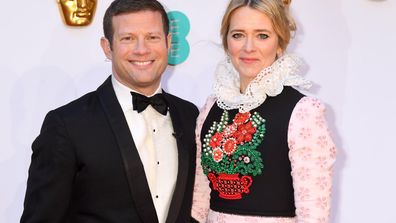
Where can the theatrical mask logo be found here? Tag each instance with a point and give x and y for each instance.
(77, 12)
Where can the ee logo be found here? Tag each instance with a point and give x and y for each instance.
(179, 27)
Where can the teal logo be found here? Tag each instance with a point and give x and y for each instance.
(179, 27)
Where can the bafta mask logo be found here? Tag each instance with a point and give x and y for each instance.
(77, 12)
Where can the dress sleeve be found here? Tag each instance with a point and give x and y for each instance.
(201, 197)
(312, 155)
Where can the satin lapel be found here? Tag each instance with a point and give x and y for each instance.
(133, 166)
(183, 159)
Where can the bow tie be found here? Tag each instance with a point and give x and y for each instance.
(140, 102)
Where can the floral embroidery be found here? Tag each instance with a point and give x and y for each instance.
(303, 157)
(230, 150)
(245, 133)
(215, 141)
(230, 146)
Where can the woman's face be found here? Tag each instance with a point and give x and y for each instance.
(252, 43)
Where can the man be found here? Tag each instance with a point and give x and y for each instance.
(110, 157)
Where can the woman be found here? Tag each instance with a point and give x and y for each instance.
(264, 151)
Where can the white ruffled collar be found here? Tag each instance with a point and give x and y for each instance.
(269, 82)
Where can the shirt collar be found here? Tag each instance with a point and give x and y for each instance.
(123, 93)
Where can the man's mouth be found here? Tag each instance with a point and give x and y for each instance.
(142, 63)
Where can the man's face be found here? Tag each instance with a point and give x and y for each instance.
(139, 51)
(77, 12)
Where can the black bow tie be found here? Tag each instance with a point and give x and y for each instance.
(140, 102)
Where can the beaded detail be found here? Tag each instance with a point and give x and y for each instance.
(230, 150)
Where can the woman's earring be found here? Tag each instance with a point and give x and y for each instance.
(228, 59)
(279, 54)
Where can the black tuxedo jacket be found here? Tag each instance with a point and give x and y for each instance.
(85, 166)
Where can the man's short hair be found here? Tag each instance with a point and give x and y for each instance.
(118, 7)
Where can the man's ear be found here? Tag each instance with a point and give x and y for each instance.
(105, 44)
(169, 40)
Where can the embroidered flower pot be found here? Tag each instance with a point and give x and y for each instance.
(232, 148)
(230, 186)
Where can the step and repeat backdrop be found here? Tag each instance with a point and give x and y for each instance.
(348, 48)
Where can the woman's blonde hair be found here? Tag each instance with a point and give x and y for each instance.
(276, 10)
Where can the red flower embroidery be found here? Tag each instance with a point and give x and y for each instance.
(245, 133)
(241, 118)
(230, 146)
(230, 130)
(217, 155)
(215, 141)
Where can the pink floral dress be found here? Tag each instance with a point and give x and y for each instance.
(312, 154)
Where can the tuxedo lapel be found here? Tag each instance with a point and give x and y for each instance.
(133, 166)
(183, 160)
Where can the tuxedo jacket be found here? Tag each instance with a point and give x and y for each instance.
(85, 166)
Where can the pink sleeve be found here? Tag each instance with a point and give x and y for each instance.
(201, 197)
(312, 155)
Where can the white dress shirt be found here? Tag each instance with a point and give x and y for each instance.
(156, 145)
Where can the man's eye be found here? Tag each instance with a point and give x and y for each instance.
(262, 36)
(154, 38)
(126, 38)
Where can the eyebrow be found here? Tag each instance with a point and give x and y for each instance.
(132, 33)
(155, 33)
(150, 32)
(256, 30)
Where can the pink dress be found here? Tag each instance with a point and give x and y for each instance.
(312, 155)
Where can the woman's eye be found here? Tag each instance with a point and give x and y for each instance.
(237, 35)
(262, 36)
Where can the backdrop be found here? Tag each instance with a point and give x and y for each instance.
(348, 46)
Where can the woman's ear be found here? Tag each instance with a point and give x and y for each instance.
(279, 52)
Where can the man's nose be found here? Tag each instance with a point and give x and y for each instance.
(141, 47)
